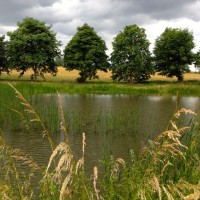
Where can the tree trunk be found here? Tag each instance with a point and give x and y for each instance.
(82, 78)
(180, 77)
(130, 79)
(35, 73)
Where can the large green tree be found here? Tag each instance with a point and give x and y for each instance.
(33, 46)
(3, 63)
(131, 58)
(173, 52)
(86, 53)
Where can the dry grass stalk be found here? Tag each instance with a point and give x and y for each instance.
(63, 173)
(65, 192)
(141, 194)
(18, 155)
(165, 149)
(79, 164)
(192, 189)
(157, 186)
(165, 167)
(95, 182)
(183, 110)
(175, 190)
(166, 144)
(116, 167)
(60, 149)
(11, 160)
(63, 126)
(29, 109)
(64, 164)
(83, 147)
(168, 194)
(4, 191)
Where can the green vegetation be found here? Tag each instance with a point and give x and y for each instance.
(131, 58)
(86, 53)
(173, 52)
(151, 88)
(3, 67)
(32, 46)
(167, 169)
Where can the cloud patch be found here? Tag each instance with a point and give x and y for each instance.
(108, 17)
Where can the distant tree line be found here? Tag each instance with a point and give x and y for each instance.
(33, 45)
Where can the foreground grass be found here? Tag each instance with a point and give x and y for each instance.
(167, 169)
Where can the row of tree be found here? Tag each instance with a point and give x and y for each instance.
(33, 45)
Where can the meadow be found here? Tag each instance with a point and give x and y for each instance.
(64, 75)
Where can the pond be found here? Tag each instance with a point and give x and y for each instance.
(113, 124)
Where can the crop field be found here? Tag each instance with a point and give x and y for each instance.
(64, 75)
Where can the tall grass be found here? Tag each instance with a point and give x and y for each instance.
(149, 88)
(168, 168)
(15, 183)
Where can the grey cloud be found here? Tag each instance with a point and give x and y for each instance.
(106, 16)
(97, 12)
(157, 9)
(12, 11)
(3, 31)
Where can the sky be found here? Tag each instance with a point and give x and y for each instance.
(107, 17)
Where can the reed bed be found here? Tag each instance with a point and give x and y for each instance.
(168, 168)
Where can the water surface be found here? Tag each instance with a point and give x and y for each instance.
(114, 124)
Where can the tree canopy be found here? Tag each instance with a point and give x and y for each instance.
(86, 53)
(173, 52)
(33, 46)
(3, 63)
(131, 58)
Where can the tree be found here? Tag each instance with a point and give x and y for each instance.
(173, 52)
(197, 61)
(86, 53)
(3, 63)
(33, 46)
(131, 58)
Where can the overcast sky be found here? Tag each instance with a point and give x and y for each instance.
(107, 17)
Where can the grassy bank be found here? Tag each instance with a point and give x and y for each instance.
(151, 88)
(168, 168)
(65, 82)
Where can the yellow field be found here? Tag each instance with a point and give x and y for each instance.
(64, 75)
(188, 76)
